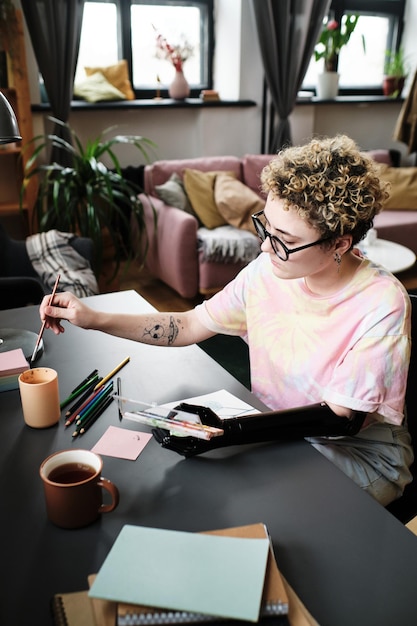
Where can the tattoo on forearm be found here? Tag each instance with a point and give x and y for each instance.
(159, 330)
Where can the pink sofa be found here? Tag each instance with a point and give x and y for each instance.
(173, 254)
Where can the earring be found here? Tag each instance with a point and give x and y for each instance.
(338, 260)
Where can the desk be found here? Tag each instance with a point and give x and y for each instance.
(349, 560)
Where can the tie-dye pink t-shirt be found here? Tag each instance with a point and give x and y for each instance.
(351, 348)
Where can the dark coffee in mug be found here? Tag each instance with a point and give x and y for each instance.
(73, 487)
(71, 473)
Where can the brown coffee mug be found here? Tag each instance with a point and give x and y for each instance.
(73, 488)
(39, 394)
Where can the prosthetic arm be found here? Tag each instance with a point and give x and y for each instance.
(310, 421)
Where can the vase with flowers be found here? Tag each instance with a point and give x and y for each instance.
(177, 54)
(333, 37)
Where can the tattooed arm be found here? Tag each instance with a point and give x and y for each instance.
(161, 329)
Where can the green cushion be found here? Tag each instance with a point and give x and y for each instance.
(172, 192)
(97, 88)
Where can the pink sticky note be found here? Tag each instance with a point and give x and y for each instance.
(122, 443)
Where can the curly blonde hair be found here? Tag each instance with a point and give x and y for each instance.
(330, 183)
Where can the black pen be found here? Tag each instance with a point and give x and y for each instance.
(119, 399)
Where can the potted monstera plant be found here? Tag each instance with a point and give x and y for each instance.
(87, 197)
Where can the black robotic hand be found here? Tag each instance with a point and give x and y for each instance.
(190, 446)
(316, 420)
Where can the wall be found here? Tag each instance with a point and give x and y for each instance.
(371, 125)
(182, 133)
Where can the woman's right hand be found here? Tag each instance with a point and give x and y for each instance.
(65, 306)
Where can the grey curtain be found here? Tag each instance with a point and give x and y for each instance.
(288, 30)
(55, 29)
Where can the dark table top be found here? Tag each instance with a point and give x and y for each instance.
(348, 559)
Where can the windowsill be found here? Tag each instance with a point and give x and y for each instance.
(364, 99)
(197, 103)
(164, 103)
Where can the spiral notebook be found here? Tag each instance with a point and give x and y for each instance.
(77, 609)
(182, 571)
(274, 597)
(73, 609)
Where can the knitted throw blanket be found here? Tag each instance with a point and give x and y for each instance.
(228, 244)
(51, 254)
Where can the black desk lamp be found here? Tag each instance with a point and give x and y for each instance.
(11, 338)
(9, 130)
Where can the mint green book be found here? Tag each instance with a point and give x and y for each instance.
(208, 574)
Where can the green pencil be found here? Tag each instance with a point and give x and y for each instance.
(74, 394)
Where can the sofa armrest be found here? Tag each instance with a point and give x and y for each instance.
(172, 246)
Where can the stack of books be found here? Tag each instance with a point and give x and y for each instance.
(209, 95)
(12, 364)
(155, 577)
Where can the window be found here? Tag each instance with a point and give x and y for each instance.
(381, 25)
(128, 29)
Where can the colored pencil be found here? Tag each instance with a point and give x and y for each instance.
(86, 380)
(40, 334)
(81, 399)
(80, 405)
(112, 373)
(101, 393)
(102, 400)
(99, 411)
(74, 394)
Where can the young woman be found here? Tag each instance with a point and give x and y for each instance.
(328, 330)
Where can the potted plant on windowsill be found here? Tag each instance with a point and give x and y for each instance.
(395, 73)
(88, 198)
(333, 37)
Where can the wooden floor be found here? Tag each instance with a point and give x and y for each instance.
(154, 291)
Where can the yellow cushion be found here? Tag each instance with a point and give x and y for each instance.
(117, 75)
(199, 187)
(403, 186)
(97, 88)
(236, 202)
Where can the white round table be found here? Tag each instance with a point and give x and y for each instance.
(393, 256)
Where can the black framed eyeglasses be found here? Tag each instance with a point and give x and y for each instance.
(279, 246)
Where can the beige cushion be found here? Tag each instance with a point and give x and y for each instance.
(117, 75)
(199, 187)
(236, 202)
(403, 186)
(97, 88)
